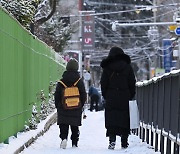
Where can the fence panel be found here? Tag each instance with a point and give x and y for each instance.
(140, 103)
(160, 113)
(150, 107)
(179, 107)
(155, 104)
(26, 66)
(146, 104)
(167, 106)
(1, 69)
(163, 111)
(174, 105)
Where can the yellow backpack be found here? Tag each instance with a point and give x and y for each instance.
(71, 96)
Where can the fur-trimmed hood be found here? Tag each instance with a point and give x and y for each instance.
(116, 60)
(109, 60)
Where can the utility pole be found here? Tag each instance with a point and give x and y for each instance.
(177, 32)
(154, 10)
(179, 53)
(153, 34)
(81, 5)
(179, 50)
(178, 36)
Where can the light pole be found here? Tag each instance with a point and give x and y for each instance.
(153, 35)
(154, 10)
(178, 35)
(179, 52)
(177, 32)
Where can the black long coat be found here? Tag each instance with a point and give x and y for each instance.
(71, 117)
(118, 87)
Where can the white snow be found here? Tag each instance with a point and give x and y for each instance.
(154, 79)
(15, 143)
(92, 140)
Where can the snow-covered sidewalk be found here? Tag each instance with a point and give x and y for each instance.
(92, 140)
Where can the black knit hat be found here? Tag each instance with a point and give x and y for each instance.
(115, 51)
(72, 65)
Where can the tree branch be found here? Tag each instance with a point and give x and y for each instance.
(44, 19)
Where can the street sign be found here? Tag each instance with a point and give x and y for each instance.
(88, 31)
(177, 31)
(167, 54)
(172, 28)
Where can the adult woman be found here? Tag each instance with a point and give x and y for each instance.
(118, 87)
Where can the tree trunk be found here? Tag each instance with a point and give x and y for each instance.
(44, 19)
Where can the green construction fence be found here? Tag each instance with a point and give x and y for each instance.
(27, 65)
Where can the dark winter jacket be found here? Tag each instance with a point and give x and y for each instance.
(118, 87)
(73, 116)
(93, 91)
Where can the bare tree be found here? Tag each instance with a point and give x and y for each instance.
(50, 27)
(46, 18)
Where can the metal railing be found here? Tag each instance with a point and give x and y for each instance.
(159, 107)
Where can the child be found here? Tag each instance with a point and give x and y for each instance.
(69, 117)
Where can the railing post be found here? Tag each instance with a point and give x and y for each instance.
(140, 132)
(143, 134)
(156, 141)
(176, 148)
(152, 137)
(168, 148)
(147, 135)
(162, 143)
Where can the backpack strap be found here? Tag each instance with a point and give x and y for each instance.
(63, 84)
(76, 82)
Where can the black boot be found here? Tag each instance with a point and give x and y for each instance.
(112, 142)
(124, 141)
(74, 143)
(111, 145)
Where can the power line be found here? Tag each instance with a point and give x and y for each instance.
(108, 20)
(125, 37)
(139, 48)
(123, 11)
(132, 5)
(116, 33)
(133, 10)
(146, 45)
(146, 24)
(108, 28)
(106, 3)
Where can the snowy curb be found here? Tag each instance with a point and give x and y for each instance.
(47, 125)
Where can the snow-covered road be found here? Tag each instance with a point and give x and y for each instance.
(92, 140)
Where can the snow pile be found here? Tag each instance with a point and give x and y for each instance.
(22, 138)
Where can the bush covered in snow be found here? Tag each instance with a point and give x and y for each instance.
(47, 106)
(22, 10)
